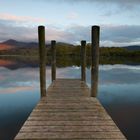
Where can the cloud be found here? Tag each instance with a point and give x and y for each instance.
(9, 31)
(11, 17)
(122, 3)
(14, 20)
(112, 35)
(73, 15)
(112, 1)
(121, 34)
(19, 27)
(118, 35)
(110, 7)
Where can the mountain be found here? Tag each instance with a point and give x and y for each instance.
(65, 44)
(133, 48)
(20, 44)
(13, 44)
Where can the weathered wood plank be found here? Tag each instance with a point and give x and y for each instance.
(65, 114)
(67, 107)
(70, 123)
(71, 100)
(69, 128)
(68, 102)
(68, 118)
(70, 135)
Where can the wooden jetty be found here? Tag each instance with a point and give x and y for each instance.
(69, 110)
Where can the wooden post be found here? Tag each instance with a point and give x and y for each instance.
(83, 60)
(42, 56)
(95, 60)
(53, 50)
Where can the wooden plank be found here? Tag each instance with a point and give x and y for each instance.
(69, 103)
(65, 107)
(70, 123)
(75, 99)
(65, 113)
(65, 110)
(69, 93)
(70, 135)
(69, 128)
(68, 113)
(68, 118)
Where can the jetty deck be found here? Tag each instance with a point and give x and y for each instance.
(69, 113)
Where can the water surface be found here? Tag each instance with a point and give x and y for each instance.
(119, 92)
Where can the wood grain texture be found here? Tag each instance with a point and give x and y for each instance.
(69, 113)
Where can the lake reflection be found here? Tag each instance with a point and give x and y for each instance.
(119, 92)
(119, 87)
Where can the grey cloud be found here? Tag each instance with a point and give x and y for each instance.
(110, 35)
(9, 31)
(120, 34)
(112, 1)
(80, 32)
(120, 6)
(128, 3)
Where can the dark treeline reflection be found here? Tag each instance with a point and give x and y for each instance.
(15, 62)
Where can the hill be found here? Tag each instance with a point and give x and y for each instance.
(19, 44)
(13, 44)
(133, 48)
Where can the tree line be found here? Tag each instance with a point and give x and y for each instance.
(66, 50)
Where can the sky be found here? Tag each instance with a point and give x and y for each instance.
(71, 20)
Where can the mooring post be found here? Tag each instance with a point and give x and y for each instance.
(42, 56)
(83, 60)
(53, 50)
(95, 35)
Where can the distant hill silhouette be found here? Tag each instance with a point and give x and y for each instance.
(13, 44)
(20, 44)
(133, 47)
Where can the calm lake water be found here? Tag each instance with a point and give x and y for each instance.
(119, 92)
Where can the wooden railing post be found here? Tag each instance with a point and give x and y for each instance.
(42, 56)
(95, 33)
(53, 50)
(83, 60)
